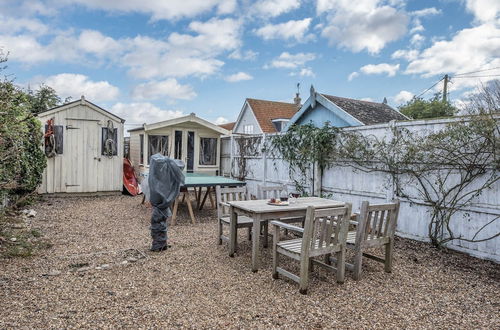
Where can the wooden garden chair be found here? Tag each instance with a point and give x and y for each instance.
(223, 196)
(375, 227)
(324, 233)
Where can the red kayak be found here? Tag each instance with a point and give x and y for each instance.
(129, 179)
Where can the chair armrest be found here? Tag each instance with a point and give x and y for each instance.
(224, 204)
(287, 226)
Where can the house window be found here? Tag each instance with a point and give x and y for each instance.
(279, 124)
(248, 129)
(158, 144)
(109, 142)
(208, 151)
(141, 148)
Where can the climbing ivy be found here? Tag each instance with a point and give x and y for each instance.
(446, 170)
(302, 146)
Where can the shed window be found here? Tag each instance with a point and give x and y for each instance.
(109, 148)
(208, 151)
(158, 144)
(58, 137)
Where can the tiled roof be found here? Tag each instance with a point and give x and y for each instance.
(369, 113)
(266, 111)
(228, 126)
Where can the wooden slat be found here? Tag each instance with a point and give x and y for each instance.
(287, 274)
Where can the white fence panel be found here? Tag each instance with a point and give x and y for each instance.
(353, 185)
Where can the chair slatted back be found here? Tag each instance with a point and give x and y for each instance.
(325, 230)
(227, 194)
(378, 220)
(267, 192)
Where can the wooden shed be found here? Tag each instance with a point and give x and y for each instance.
(88, 150)
(190, 138)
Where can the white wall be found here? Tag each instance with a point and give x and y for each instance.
(347, 184)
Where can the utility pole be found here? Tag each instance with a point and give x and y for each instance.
(445, 87)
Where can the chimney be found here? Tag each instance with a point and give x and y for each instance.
(297, 100)
(384, 101)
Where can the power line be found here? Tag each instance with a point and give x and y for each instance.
(482, 76)
(459, 74)
(428, 89)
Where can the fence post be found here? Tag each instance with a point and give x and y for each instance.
(231, 155)
(317, 180)
(264, 159)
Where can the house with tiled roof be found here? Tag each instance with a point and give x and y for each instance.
(343, 112)
(228, 126)
(262, 116)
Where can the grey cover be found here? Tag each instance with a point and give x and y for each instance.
(164, 181)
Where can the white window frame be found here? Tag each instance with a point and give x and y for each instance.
(248, 129)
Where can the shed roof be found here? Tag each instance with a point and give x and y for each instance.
(369, 113)
(81, 101)
(266, 111)
(175, 121)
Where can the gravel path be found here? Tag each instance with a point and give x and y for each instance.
(196, 285)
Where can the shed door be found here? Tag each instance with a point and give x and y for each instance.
(82, 152)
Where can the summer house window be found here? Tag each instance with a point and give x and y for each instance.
(157, 144)
(208, 151)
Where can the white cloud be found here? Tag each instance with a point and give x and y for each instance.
(408, 55)
(291, 61)
(178, 55)
(143, 112)
(275, 8)
(469, 50)
(11, 25)
(166, 88)
(95, 42)
(403, 97)
(75, 85)
(367, 99)
(362, 25)
(417, 40)
(304, 72)
(220, 121)
(185, 54)
(248, 55)
(389, 69)
(171, 9)
(240, 76)
(353, 75)
(484, 10)
(426, 12)
(296, 30)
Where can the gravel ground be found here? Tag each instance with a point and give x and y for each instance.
(196, 285)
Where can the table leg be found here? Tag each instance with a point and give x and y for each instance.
(198, 197)
(232, 231)
(255, 243)
(211, 200)
(205, 197)
(190, 207)
(174, 212)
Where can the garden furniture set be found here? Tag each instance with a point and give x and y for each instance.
(328, 229)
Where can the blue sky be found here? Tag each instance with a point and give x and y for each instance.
(148, 60)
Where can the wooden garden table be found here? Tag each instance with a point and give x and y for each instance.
(260, 210)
